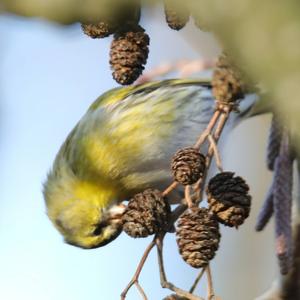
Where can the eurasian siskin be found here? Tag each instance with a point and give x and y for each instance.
(121, 146)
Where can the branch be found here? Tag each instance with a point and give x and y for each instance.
(223, 117)
(163, 279)
(137, 273)
(197, 280)
(184, 68)
(220, 115)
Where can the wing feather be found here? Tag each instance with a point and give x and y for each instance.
(120, 139)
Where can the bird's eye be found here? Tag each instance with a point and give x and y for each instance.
(99, 228)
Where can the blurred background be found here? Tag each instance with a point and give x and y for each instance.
(50, 74)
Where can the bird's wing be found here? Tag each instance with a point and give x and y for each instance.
(119, 94)
(131, 138)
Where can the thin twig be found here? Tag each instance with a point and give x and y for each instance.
(222, 121)
(187, 195)
(199, 186)
(195, 66)
(171, 187)
(213, 144)
(197, 280)
(174, 216)
(221, 117)
(140, 289)
(163, 279)
(208, 129)
(137, 273)
(197, 145)
(177, 212)
(185, 68)
(162, 69)
(210, 289)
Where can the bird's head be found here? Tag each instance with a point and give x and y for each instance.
(86, 214)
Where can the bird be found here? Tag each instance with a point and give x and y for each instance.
(122, 145)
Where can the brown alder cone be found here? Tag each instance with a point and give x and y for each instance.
(177, 15)
(114, 15)
(129, 53)
(188, 165)
(198, 236)
(228, 82)
(98, 30)
(228, 198)
(147, 213)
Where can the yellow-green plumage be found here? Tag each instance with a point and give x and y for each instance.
(122, 145)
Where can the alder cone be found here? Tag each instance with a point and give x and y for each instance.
(98, 30)
(112, 18)
(177, 14)
(147, 213)
(228, 82)
(129, 53)
(198, 236)
(188, 165)
(228, 198)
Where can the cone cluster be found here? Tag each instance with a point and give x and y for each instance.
(228, 198)
(198, 236)
(147, 213)
(188, 165)
(113, 18)
(129, 49)
(128, 54)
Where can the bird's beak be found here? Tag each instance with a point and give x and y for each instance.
(116, 212)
